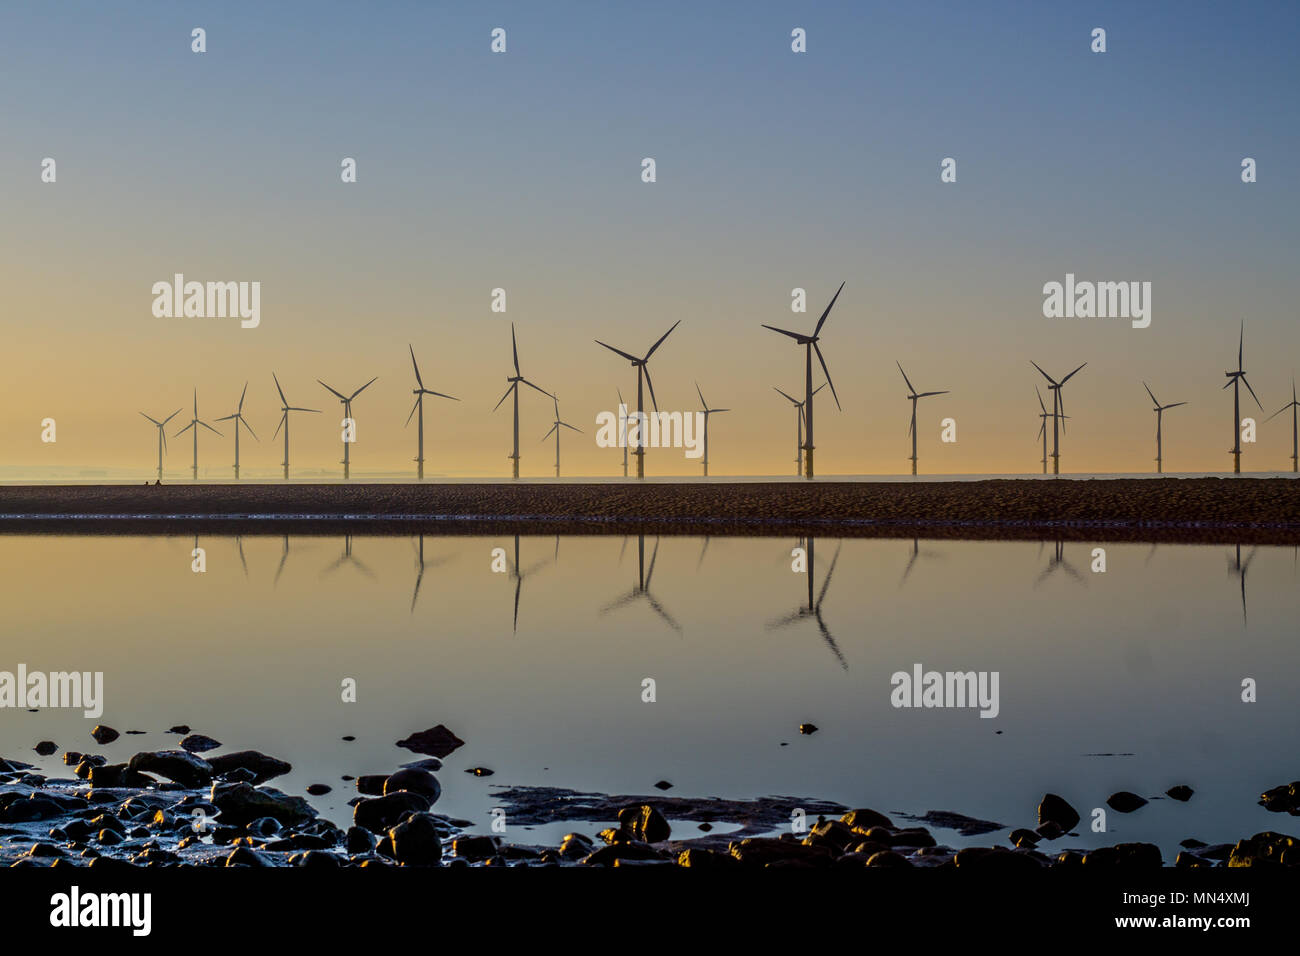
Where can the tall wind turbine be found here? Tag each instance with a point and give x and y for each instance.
(194, 423)
(346, 402)
(914, 396)
(514, 381)
(707, 412)
(1043, 416)
(622, 429)
(1058, 409)
(1160, 414)
(162, 436)
(810, 345)
(238, 418)
(798, 425)
(286, 408)
(1234, 379)
(1294, 405)
(555, 427)
(419, 392)
(642, 373)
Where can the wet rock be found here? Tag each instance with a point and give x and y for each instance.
(107, 837)
(1054, 809)
(199, 744)
(835, 835)
(261, 766)
(913, 837)
(663, 785)
(348, 737)
(118, 775)
(372, 784)
(315, 859)
(382, 813)
(1125, 854)
(30, 810)
(705, 827)
(178, 765)
(46, 747)
(1049, 831)
(181, 729)
(888, 858)
(1267, 849)
(262, 826)
(435, 742)
(415, 841)
(966, 826)
(414, 781)
(575, 846)
(474, 848)
(1283, 799)
(995, 858)
(766, 851)
(643, 822)
(706, 859)
(359, 840)
(808, 729)
(864, 820)
(1180, 793)
(1125, 802)
(479, 771)
(428, 763)
(241, 803)
(614, 852)
(104, 735)
(71, 758)
(243, 856)
(1187, 860)
(318, 789)
(1025, 839)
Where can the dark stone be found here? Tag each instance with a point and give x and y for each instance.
(415, 841)
(415, 781)
(1125, 802)
(807, 729)
(382, 813)
(46, 747)
(995, 858)
(766, 851)
(1180, 793)
(241, 803)
(243, 856)
(1049, 831)
(1054, 809)
(1026, 839)
(260, 765)
(479, 771)
(199, 744)
(318, 789)
(184, 768)
(614, 852)
(663, 785)
(474, 848)
(888, 858)
(643, 822)
(428, 763)
(699, 857)
(372, 784)
(71, 758)
(435, 742)
(181, 729)
(1283, 799)
(914, 837)
(833, 834)
(104, 735)
(1125, 854)
(864, 820)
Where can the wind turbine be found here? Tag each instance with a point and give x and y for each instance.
(798, 424)
(238, 418)
(642, 589)
(914, 396)
(642, 373)
(555, 427)
(419, 392)
(1044, 415)
(622, 428)
(810, 345)
(1058, 409)
(1234, 378)
(814, 608)
(514, 381)
(1294, 405)
(194, 423)
(162, 436)
(1160, 414)
(707, 412)
(286, 408)
(346, 402)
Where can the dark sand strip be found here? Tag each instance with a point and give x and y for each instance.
(1207, 510)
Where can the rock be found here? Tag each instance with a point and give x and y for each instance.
(118, 775)
(575, 846)
(1049, 831)
(30, 810)
(888, 858)
(663, 785)
(181, 729)
(1180, 793)
(1125, 854)
(995, 858)
(46, 747)
(1265, 849)
(1025, 839)
(643, 822)
(436, 742)
(1283, 799)
(864, 820)
(609, 855)
(474, 848)
(199, 744)
(372, 784)
(318, 789)
(262, 826)
(808, 729)
(428, 763)
(348, 737)
(104, 735)
(415, 781)
(479, 771)
(415, 841)
(913, 837)
(71, 758)
(382, 813)
(262, 767)
(243, 856)
(241, 803)
(699, 857)
(835, 835)
(1125, 802)
(178, 765)
(766, 851)
(359, 841)
(1054, 809)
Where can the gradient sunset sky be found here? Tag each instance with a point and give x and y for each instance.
(522, 171)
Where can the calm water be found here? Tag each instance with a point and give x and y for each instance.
(1145, 659)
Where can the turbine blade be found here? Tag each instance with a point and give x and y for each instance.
(793, 335)
(567, 425)
(653, 400)
(822, 320)
(539, 388)
(1154, 401)
(1072, 374)
(905, 378)
(241, 398)
(283, 400)
(826, 371)
(363, 388)
(427, 391)
(1045, 375)
(505, 396)
(630, 358)
(1276, 413)
(1174, 405)
(514, 349)
(184, 430)
(661, 341)
(418, 381)
(927, 394)
(210, 428)
(1252, 392)
(548, 434)
(701, 394)
(158, 423)
(341, 398)
(788, 398)
(1040, 397)
(412, 415)
(283, 419)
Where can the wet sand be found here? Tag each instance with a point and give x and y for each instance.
(1192, 510)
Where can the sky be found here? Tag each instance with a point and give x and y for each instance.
(522, 170)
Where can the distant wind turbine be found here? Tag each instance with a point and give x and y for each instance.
(514, 381)
(194, 423)
(1044, 415)
(238, 419)
(162, 436)
(622, 428)
(1234, 380)
(419, 392)
(642, 367)
(1058, 410)
(1294, 405)
(346, 402)
(555, 427)
(286, 408)
(798, 424)
(707, 412)
(810, 345)
(1160, 413)
(914, 396)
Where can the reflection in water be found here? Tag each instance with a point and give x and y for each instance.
(917, 553)
(642, 589)
(347, 557)
(1058, 560)
(814, 608)
(421, 565)
(1239, 569)
(519, 574)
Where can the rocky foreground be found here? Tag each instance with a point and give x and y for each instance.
(177, 808)
(1210, 510)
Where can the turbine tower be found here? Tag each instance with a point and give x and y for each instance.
(194, 423)
(810, 345)
(1058, 409)
(238, 419)
(914, 396)
(419, 392)
(1294, 404)
(1160, 414)
(1044, 415)
(286, 408)
(798, 425)
(555, 427)
(707, 412)
(162, 436)
(1234, 380)
(642, 373)
(514, 381)
(346, 402)
(622, 428)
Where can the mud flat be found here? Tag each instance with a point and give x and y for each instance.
(1192, 510)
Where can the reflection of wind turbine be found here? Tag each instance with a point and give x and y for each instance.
(347, 558)
(1058, 561)
(1058, 412)
(420, 391)
(555, 427)
(1160, 414)
(514, 381)
(1239, 569)
(238, 418)
(1234, 380)
(286, 408)
(798, 425)
(1294, 405)
(194, 423)
(814, 608)
(642, 589)
(914, 396)
(707, 412)
(420, 566)
(916, 554)
(520, 574)
(642, 366)
(349, 435)
(810, 345)
(162, 436)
